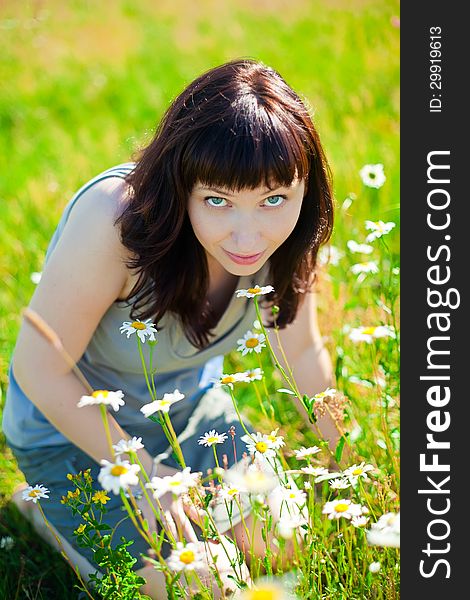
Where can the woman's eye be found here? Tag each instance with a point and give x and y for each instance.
(275, 201)
(214, 201)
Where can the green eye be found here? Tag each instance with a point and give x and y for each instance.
(275, 200)
(214, 201)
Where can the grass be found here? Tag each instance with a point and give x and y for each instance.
(84, 85)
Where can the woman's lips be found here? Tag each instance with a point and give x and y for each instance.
(243, 259)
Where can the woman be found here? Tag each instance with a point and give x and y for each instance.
(233, 191)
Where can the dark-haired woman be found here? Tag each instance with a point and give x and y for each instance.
(233, 191)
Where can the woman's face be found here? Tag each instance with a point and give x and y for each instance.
(242, 230)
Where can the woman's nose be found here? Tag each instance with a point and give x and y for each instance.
(247, 240)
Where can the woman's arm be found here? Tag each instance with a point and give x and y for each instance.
(310, 362)
(83, 277)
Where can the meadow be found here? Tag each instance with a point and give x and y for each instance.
(83, 86)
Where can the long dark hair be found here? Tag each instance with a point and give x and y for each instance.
(239, 126)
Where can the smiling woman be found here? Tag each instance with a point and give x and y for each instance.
(233, 192)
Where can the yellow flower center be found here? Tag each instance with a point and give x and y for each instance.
(232, 492)
(369, 330)
(164, 402)
(175, 483)
(292, 495)
(272, 438)
(228, 379)
(34, 493)
(118, 470)
(261, 447)
(98, 393)
(81, 528)
(357, 471)
(251, 342)
(264, 594)
(255, 290)
(341, 507)
(212, 439)
(138, 325)
(187, 557)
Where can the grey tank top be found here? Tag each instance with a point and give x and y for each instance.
(112, 361)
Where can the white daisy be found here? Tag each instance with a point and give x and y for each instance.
(360, 521)
(230, 379)
(359, 248)
(251, 342)
(386, 532)
(328, 393)
(378, 229)
(306, 452)
(293, 496)
(374, 567)
(373, 175)
(341, 508)
(257, 290)
(365, 267)
(35, 492)
(340, 484)
(118, 476)
(164, 404)
(277, 441)
(143, 329)
(259, 444)
(7, 543)
(127, 446)
(254, 480)
(369, 334)
(186, 557)
(179, 483)
(229, 492)
(356, 471)
(288, 524)
(329, 255)
(315, 471)
(211, 438)
(113, 399)
(254, 374)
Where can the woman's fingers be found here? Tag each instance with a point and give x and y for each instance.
(187, 529)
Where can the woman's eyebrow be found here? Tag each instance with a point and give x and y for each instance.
(225, 193)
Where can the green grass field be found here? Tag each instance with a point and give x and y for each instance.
(84, 84)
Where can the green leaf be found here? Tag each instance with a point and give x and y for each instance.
(340, 447)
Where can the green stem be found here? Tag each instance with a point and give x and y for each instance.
(104, 416)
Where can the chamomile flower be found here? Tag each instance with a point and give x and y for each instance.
(304, 452)
(179, 483)
(257, 290)
(293, 496)
(277, 441)
(386, 532)
(329, 255)
(360, 521)
(254, 374)
(378, 229)
(288, 524)
(229, 492)
(268, 589)
(7, 543)
(365, 267)
(341, 508)
(118, 476)
(374, 567)
(315, 471)
(128, 446)
(254, 480)
(340, 484)
(251, 342)
(230, 379)
(259, 444)
(113, 399)
(186, 557)
(164, 404)
(328, 393)
(373, 175)
(211, 438)
(358, 471)
(369, 334)
(144, 329)
(359, 248)
(34, 493)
